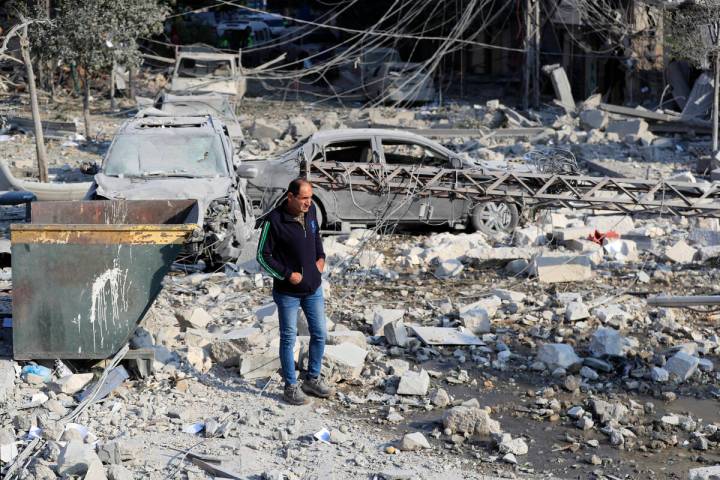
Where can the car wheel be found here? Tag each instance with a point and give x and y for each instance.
(495, 217)
(319, 213)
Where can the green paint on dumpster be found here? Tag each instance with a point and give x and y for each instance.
(80, 289)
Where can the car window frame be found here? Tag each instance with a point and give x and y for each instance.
(448, 159)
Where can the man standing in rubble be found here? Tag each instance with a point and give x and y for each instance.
(290, 250)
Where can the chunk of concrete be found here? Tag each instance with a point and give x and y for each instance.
(350, 336)
(118, 472)
(227, 348)
(471, 420)
(558, 355)
(624, 128)
(259, 365)
(414, 441)
(561, 85)
(621, 224)
(301, 127)
(397, 366)
(346, 359)
(476, 316)
(264, 129)
(607, 342)
(593, 119)
(621, 250)
(414, 383)
(576, 311)
(660, 375)
(573, 233)
(396, 333)
(77, 458)
(682, 365)
(383, 316)
(552, 269)
(700, 100)
(681, 252)
(7, 379)
(194, 318)
(445, 336)
(8, 447)
(449, 268)
(516, 446)
(71, 384)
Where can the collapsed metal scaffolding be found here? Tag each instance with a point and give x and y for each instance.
(527, 190)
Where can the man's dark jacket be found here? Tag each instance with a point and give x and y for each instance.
(286, 247)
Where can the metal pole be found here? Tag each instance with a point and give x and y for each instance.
(716, 103)
(536, 46)
(672, 301)
(528, 54)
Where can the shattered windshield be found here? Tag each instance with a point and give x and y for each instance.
(166, 156)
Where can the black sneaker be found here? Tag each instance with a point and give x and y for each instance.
(294, 395)
(317, 387)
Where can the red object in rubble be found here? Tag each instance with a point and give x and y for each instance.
(598, 237)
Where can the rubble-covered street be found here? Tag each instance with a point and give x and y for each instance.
(522, 244)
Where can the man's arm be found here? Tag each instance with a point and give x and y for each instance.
(319, 251)
(264, 254)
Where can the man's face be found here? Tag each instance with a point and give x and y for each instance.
(302, 201)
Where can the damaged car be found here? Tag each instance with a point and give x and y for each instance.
(379, 151)
(182, 157)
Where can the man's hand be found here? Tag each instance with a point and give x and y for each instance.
(295, 278)
(320, 264)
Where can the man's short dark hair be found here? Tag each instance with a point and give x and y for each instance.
(296, 184)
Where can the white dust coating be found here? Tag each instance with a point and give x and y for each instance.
(109, 291)
(117, 213)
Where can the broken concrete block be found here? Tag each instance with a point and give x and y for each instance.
(414, 383)
(346, 359)
(476, 316)
(226, 349)
(593, 120)
(369, 259)
(7, 379)
(705, 473)
(259, 365)
(704, 237)
(509, 295)
(194, 318)
(621, 224)
(301, 127)
(440, 398)
(76, 458)
(558, 355)
(561, 85)
(576, 311)
(563, 269)
(628, 128)
(516, 446)
(530, 236)
(471, 420)
(414, 441)
(350, 336)
(198, 359)
(681, 252)
(383, 316)
(621, 250)
(611, 314)
(72, 384)
(517, 267)
(8, 447)
(608, 342)
(699, 101)
(397, 366)
(118, 472)
(682, 365)
(396, 333)
(659, 375)
(574, 233)
(445, 336)
(264, 129)
(449, 268)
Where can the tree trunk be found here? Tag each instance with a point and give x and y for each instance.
(131, 83)
(39, 139)
(113, 105)
(86, 103)
(716, 102)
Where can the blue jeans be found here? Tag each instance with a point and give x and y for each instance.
(314, 307)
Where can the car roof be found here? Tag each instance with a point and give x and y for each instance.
(150, 124)
(324, 136)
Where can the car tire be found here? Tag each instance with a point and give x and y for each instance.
(495, 217)
(319, 213)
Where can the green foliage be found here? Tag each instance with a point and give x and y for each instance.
(692, 31)
(90, 33)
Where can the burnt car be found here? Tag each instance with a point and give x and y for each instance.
(381, 150)
(181, 157)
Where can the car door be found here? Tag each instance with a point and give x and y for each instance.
(354, 203)
(417, 205)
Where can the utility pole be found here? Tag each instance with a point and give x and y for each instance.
(531, 76)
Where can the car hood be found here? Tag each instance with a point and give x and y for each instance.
(204, 190)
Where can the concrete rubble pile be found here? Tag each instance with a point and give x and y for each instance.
(447, 350)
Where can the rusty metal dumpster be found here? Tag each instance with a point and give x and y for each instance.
(84, 273)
